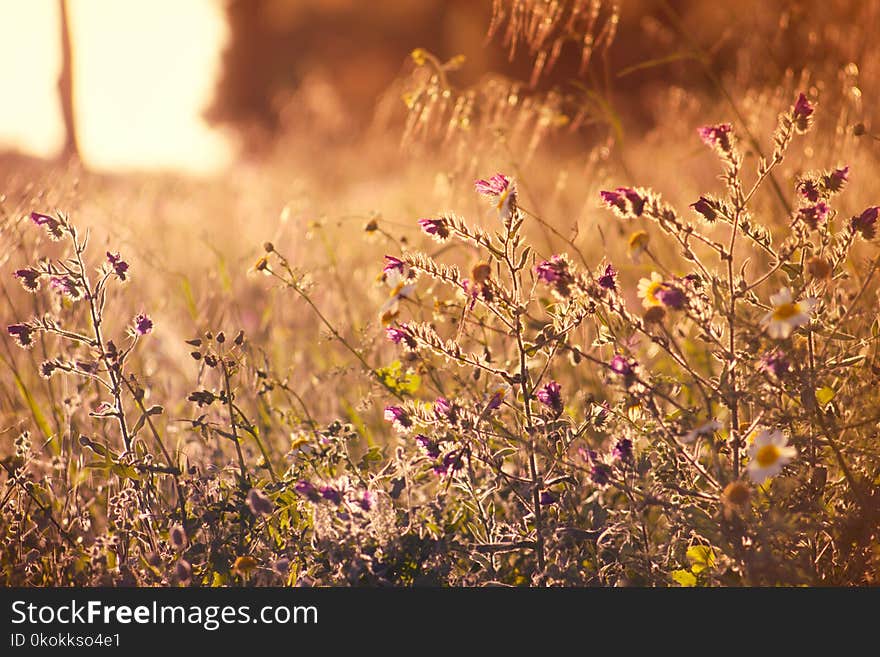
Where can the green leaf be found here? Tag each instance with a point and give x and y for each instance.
(37, 414)
(824, 395)
(404, 383)
(701, 558)
(793, 271)
(684, 578)
(372, 455)
(605, 336)
(189, 298)
(847, 362)
(659, 61)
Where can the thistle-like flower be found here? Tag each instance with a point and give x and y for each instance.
(393, 265)
(866, 223)
(814, 215)
(608, 278)
(29, 279)
(398, 417)
(626, 202)
(706, 208)
(802, 113)
(718, 137)
(52, 226)
(550, 396)
(120, 266)
(143, 324)
(623, 366)
(556, 273)
(23, 334)
(502, 190)
(436, 228)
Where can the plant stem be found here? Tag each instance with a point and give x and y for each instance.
(232, 424)
(525, 388)
(112, 369)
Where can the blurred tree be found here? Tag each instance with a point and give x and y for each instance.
(70, 150)
(359, 47)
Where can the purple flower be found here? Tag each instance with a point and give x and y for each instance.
(866, 223)
(551, 396)
(23, 334)
(29, 278)
(496, 399)
(436, 228)
(67, 286)
(814, 215)
(451, 462)
(706, 208)
(331, 494)
(808, 189)
(431, 448)
(307, 490)
(608, 279)
(671, 296)
(398, 416)
(47, 368)
(52, 225)
(393, 264)
(119, 265)
(444, 409)
(365, 502)
(259, 503)
(600, 473)
(621, 365)
(142, 324)
(717, 136)
(625, 201)
(801, 113)
(837, 179)
(398, 334)
(548, 497)
(494, 186)
(623, 450)
(775, 362)
(555, 272)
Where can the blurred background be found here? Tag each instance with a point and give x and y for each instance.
(192, 86)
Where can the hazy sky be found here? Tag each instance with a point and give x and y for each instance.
(143, 72)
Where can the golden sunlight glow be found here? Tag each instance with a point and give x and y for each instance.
(30, 53)
(143, 73)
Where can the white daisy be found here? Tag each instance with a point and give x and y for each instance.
(786, 315)
(768, 454)
(401, 288)
(648, 289)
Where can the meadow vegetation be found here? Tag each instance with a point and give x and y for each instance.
(502, 337)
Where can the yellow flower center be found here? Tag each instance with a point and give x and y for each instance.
(651, 292)
(786, 311)
(767, 455)
(397, 289)
(638, 240)
(502, 198)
